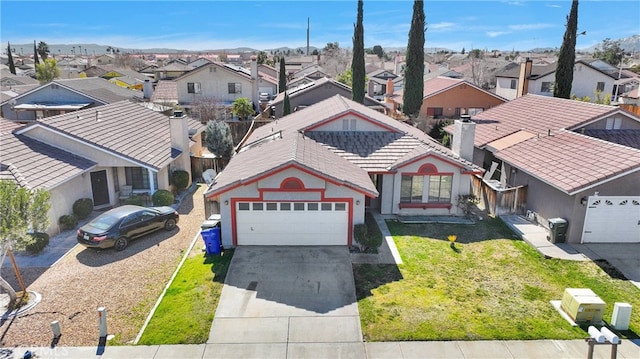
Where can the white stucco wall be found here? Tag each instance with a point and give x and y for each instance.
(214, 82)
(361, 125)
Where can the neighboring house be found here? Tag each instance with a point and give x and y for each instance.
(268, 70)
(106, 59)
(165, 93)
(307, 178)
(63, 96)
(172, 70)
(544, 146)
(223, 83)
(379, 81)
(316, 91)
(588, 81)
(446, 97)
(8, 79)
(313, 72)
(92, 153)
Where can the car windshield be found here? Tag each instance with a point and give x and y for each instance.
(104, 222)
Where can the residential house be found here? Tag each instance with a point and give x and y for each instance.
(93, 152)
(313, 72)
(588, 81)
(63, 96)
(446, 97)
(106, 59)
(7, 79)
(307, 178)
(172, 70)
(378, 81)
(165, 93)
(268, 70)
(568, 159)
(316, 91)
(223, 83)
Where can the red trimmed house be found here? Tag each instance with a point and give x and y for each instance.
(307, 178)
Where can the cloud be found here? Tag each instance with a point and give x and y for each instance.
(515, 3)
(527, 27)
(496, 33)
(440, 26)
(553, 6)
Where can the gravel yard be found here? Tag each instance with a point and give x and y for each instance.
(126, 283)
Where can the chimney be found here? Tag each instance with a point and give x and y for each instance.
(147, 89)
(179, 131)
(389, 91)
(523, 79)
(463, 137)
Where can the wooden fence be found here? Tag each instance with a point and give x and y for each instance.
(500, 201)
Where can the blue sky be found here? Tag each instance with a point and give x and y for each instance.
(210, 24)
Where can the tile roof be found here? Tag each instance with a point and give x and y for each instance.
(34, 164)
(316, 84)
(378, 152)
(440, 84)
(165, 91)
(99, 88)
(124, 128)
(629, 138)
(285, 150)
(571, 162)
(535, 114)
(512, 70)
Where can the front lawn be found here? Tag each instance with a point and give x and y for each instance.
(186, 311)
(488, 286)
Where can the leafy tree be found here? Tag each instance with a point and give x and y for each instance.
(43, 50)
(218, 139)
(21, 211)
(378, 51)
(567, 56)
(206, 109)
(242, 108)
(47, 71)
(282, 77)
(12, 66)
(286, 106)
(357, 62)
(414, 72)
(36, 60)
(611, 52)
(346, 77)
(262, 57)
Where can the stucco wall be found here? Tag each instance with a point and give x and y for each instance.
(49, 94)
(250, 191)
(214, 83)
(361, 125)
(462, 96)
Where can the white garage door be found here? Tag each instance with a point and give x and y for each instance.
(292, 223)
(612, 219)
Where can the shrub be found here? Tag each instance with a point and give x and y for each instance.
(39, 240)
(467, 202)
(368, 235)
(135, 200)
(68, 221)
(162, 197)
(180, 179)
(360, 232)
(82, 208)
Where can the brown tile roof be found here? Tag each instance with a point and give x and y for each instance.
(571, 162)
(98, 88)
(364, 151)
(123, 128)
(285, 150)
(535, 114)
(34, 164)
(165, 91)
(440, 84)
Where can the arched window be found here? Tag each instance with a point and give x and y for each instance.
(292, 183)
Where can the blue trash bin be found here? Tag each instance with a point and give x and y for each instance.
(211, 239)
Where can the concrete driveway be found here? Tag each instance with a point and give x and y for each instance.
(285, 301)
(624, 256)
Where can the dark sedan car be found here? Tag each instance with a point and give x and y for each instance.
(116, 227)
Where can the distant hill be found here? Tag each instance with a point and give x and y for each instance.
(629, 44)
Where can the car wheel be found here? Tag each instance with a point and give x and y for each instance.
(170, 224)
(121, 243)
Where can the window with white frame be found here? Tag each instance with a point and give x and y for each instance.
(426, 186)
(546, 87)
(193, 87)
(235, 87)
(613, 123)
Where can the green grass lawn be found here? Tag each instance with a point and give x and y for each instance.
(186, 312)
(488, 286)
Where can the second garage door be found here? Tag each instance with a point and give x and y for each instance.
(292, 223)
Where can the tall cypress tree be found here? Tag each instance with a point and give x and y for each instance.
(35, 53)
(286, 106)
(357, 62)
(567, 56)
(414, 71)
(12, 66)
(282, 77)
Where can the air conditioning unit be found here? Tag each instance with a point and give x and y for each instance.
(531, 215)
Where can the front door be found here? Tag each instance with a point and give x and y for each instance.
(99, 188)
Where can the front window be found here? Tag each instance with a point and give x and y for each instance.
(547, 87)
(439, 189)
(193, 87)
(411, 189)
(138, 178)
